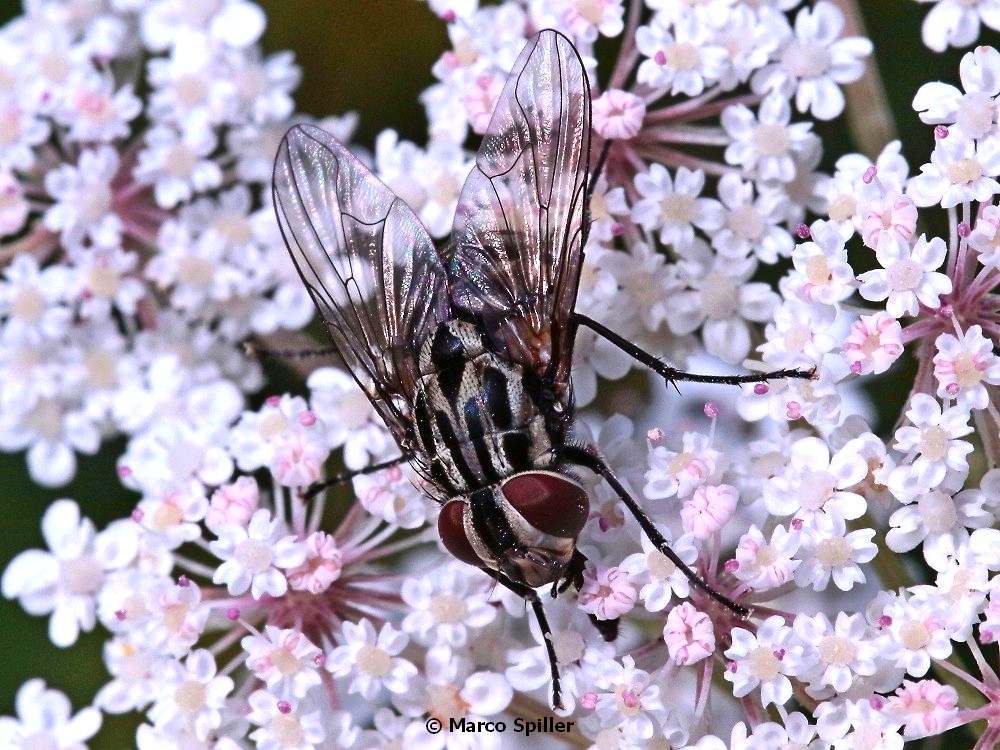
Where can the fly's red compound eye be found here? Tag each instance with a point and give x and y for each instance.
(452, 531)
(551, 503)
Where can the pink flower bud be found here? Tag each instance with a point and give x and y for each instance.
(183, 581)
(273, 401)
(655, 435)
(588, 701)
(449, 16)
(952, 389)
(876, 702)
(617, 229)
(233, 613)
(964, 230)
(284, 707)
(761, 389)
(940, 131)
(618, 115)
(803, 231)
(731, 566)
(660, 57)
(711, 410)
(797, 524)
(793, 410)
(870, 174)
(709, 509)
(884, 621)
(137, 515)
(124, 472)
(120, 615)
(689, 635)
(307, 419)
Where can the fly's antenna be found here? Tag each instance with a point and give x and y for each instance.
(252, 350)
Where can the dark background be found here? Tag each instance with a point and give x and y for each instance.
(374, 56)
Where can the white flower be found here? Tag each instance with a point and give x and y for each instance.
(956, 22)
(22, 129)
(821, 272)
(910, 277)
(933, 433)
(835, 654)
(684, 59)
(173, 512)
(751, 225)
(680, 472)
(960, 170)
(874, 343)
(585, 18)
(972, 114)
(765, 145)
(829, 551)
(445, 606)
(814, 60)
(66, 580)
(177, 163)
(915, 634)
(393, 495)
(253, 555)
(985, 238)
(371, 659)
(763, 564)
(191, 695)
(816, 482)
(629, 700)
(94, 112)
(763, 660)
(349, 417)
(964, 365)
(673, 206)
(721, 300)
(938, 521)
(284, 726)
(83, 209)
(284, 659)
(44, 720)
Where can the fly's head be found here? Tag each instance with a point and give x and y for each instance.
(526, 529)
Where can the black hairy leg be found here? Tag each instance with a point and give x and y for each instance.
(315, 489)
(671, 374)
(529, 595)
(588, 457)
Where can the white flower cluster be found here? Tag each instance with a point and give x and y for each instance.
(139, 244)
(244, 612)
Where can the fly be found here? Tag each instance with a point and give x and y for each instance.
(466, 352)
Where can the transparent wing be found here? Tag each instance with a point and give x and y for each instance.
(368, 263)
(517, 243)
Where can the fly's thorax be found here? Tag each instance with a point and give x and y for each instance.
(525, 527)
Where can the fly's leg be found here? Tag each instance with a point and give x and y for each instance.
(315, 489)
(671, 374)
(588, 457)
(528, 594)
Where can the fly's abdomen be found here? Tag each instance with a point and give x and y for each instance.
(475, 421)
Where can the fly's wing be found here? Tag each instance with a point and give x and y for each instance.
(517, 245)
(367, 262)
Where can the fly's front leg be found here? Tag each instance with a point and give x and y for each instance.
(589, 457)
(315, 489)
(527, 593)
(671, 374)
